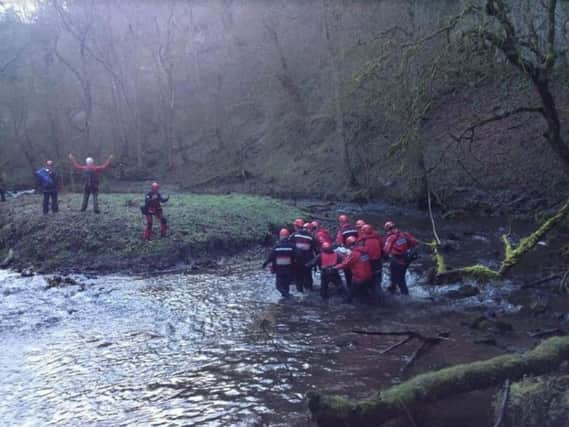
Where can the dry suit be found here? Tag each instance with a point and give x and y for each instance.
(397, 244)
(359, 265)
(326, 261)
(152, 207)
(282, 260)
(304, 252)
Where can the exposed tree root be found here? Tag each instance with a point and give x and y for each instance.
(434, 386)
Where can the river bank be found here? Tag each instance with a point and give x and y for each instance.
(201, 228)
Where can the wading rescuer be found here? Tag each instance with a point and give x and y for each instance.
(359, 224)
(399, 247)
(345, 230)
(321, 235)
(48, 183)
(359, 265)
(282, 260)
(326, 260)
(90, 179)
(304, 252)
(152, 207)
(373, 245)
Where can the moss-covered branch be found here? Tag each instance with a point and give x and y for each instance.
(513, 255)
(433, 386)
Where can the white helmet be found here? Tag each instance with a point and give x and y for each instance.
(89, 161)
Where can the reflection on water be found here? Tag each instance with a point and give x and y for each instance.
(175, 350)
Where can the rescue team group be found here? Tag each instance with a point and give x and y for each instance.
(48, 183)
(357, 250)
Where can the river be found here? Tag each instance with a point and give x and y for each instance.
(215, 349)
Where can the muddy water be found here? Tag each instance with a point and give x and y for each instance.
(221, 350)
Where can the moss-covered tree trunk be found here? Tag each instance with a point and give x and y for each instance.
(433, 386)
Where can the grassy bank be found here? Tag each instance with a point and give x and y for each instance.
(200, 226)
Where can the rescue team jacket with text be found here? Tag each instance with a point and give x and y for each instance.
(281, 258)
(373, 245)
(152, 202)
(397, 243)
(304, 244)
(344, 232)
(359, 264)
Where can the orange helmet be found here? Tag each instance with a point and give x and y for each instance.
(367, 229)
(343, 219)
(284, 233)
(299, 222)
(350, 241)
(155, 186)
(389, 225)
(360, 223)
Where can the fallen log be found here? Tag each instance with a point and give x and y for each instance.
(433, 386)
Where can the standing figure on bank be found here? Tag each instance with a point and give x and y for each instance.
(91, 173)
(359, 265)
(48, 182)
(397, 247)
(326, 260)
(152, 207)
(282, 260)
(305, 249)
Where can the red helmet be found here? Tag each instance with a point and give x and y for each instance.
(155, 186)
(326, 246)
(350, 241)
(343, 219)
(389, 225)
(284, 232)
(367, 229)
(49, 163)
(315, 225)
(299, 222)
(360, 223)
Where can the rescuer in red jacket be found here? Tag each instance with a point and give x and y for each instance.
(397, 248)
(152, 207)
(373, 244)
(326, 260)
(359, 224)
(359, 265)
(345, 230)
(91, 173)
(321, 235)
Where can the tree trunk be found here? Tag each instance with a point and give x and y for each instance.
(553, 134)
(433, 386)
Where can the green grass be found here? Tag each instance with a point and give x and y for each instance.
(112, 241)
